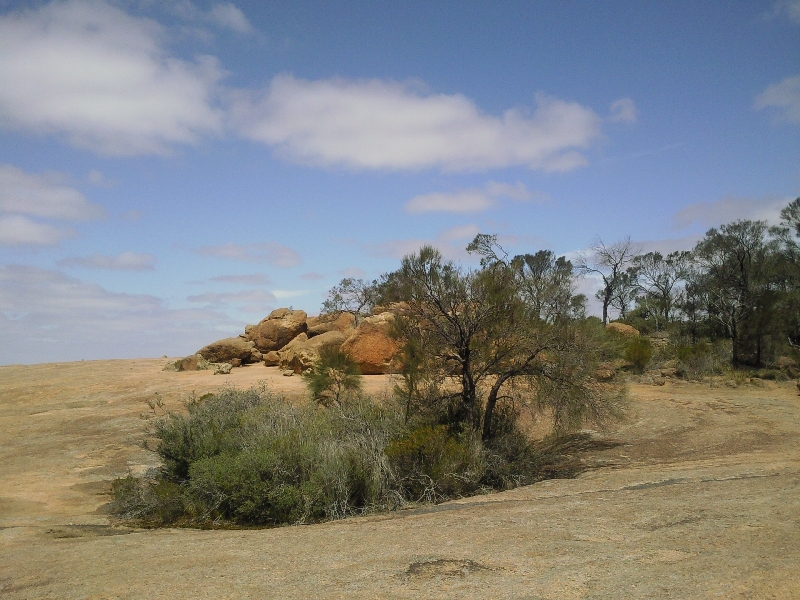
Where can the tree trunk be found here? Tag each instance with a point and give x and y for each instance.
(491, 402)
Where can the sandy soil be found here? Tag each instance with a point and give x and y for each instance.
(700, 499)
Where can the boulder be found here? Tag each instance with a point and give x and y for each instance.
(623, 330)
(278, 329)
(272, 358)
(228, 349)
(343, 322)
(302, 352)
(195, 362)
(371, 347)
(605, 372)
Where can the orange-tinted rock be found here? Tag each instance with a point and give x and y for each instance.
(623, 330)
(371, 347)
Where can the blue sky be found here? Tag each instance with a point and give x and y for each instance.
(170, 171)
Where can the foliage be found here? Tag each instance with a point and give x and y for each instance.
(482, 330)
(639, 352)
(333, 378)
(354, 296)
(248, 458)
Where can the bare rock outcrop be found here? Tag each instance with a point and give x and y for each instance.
(343, 322)
(371, 347)
(231, 350)
(278, 329)
(623, 329)
(193, 362)
(302, 352)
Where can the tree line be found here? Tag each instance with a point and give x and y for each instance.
(518, 322)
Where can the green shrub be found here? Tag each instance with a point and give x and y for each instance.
(334, 377)
(430, 464)
(703, 358)
(249, 458)
(639, 352)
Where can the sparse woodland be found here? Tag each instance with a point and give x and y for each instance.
(484, 352)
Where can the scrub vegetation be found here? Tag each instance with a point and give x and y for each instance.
(484, 352)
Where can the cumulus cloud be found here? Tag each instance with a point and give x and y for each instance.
(389, 125)
(623, 111)
(44, 196)
(251, 301)
(784, 97)
(41, 196)
(19, 230)
(725, 210)
(229, 16)
(271, 253)
(103, 79)
(127, 261)
(47, 316)
(468, 200)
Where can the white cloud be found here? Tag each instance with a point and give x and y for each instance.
(783, 96)
(468, 200)
(624, 111)
(229, 16)
(47, 316)
(251, 301)
(43, 196)
(88, 71)
(19, 230)
(727, 210)
(388, 125)
(127, 261)
(271, 253)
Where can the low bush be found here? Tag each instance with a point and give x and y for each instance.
(248, 458)
(639, 352)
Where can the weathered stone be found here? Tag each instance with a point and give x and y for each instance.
(604, 372)
(228, 349)
(371, 347)
(278, 329)
(623, 329)
(272, 358)
(194, 362)
(344, 322)
(301, 354)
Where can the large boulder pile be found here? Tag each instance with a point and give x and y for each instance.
(302, 352)
(278, 329)
(289, 339)
(235, 350)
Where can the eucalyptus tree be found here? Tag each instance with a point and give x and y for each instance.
(658, 279)
(610, 263)
(511, 319)
(737, 274)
